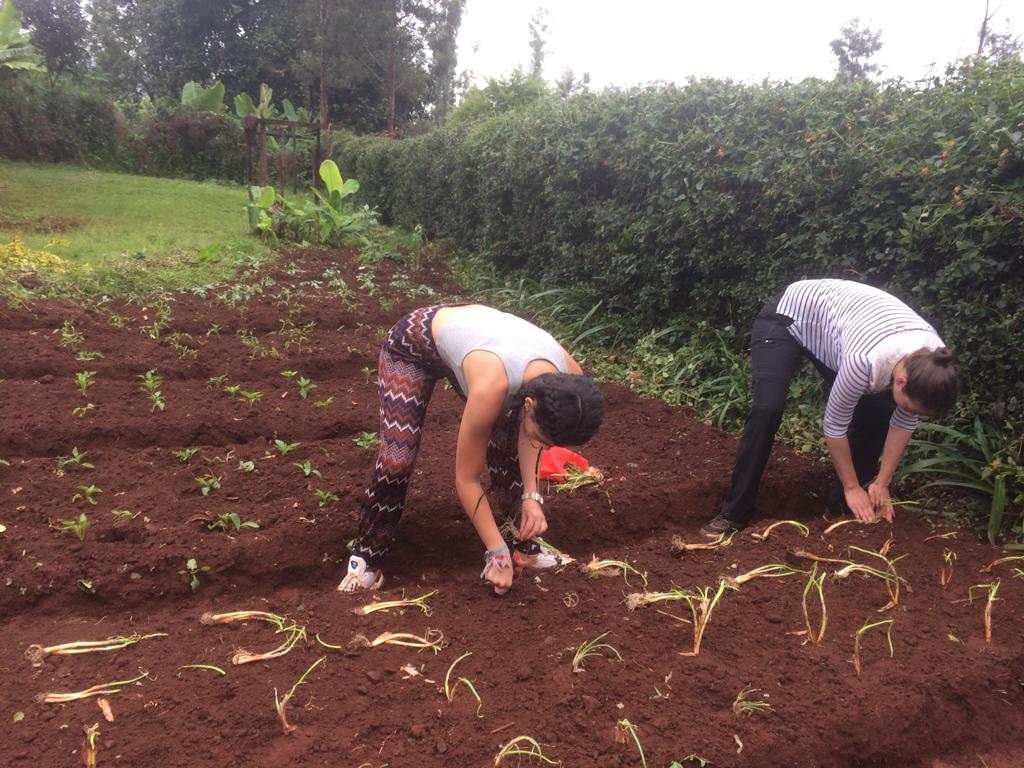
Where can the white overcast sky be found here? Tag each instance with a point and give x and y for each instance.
(626, 42)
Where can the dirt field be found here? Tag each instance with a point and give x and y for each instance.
(945, 697)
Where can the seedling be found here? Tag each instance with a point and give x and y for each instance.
(680, 547)
(700, 762)
(246, 466)
(325, 403)
(213, 330)
(123, 515)
(185, 454)
(366, 440)
(38, 653)
(574, 478)
(77, 458)
(69, 336)
(745, 707)
(233, 389)
(81, 410)
(802, 529)
(640, 599)
(150, 380)
(515, 748)
(308, 469)
(193, 569)
(1011, 559)
(449, 690)
(77, 526)
(624, 729)
(227, 520)
(325, 497)
(84, 380)
(432, 639)
(597, 568)
(367, 372)
(992, 589)
(701, 609)
(249, 398)
(280, 704)
(420, 602)
(92, 734)
(817, 583)
(87, 493)
(208, 482)
(593, 648)
(157, 398)
(770, 571)
(210, 667)
(946, 574)
(217, 381)
(887, 623)
(284, 448)
(103, 689)
(294, 633)
(305, 387)
(849, 521)
(88, 357)
(289, 374)
(892, 579)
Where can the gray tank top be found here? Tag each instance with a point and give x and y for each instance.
(516, 343)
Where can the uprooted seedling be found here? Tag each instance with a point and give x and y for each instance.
(802, 529)
(636, 600)
(889, 575)
(946, 574)
(386, 605)
(679, 547)
(744, 706)
(103, 689)
(573, 478)
(433, 639)
(37, 653)
(770, 571)
(294, 633)
(597, 568)
(281, 703)
(89, 748)
(887, 623)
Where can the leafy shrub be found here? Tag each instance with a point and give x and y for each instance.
(682, 205)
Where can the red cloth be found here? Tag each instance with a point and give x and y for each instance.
(554, 460)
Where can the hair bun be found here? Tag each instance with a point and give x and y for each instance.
(943, 356)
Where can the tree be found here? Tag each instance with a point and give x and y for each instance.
(538, 28)
(993, 45)
(499, 95)
(58, 30)
(854, 48)
(16, 52)
(569, 85)
(441, 38)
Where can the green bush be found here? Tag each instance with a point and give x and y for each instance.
(179, 142)
(697, 203)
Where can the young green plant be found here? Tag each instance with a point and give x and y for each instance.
(88, 494)
(817, 583)
(193, 569)
(593, 648)
(85, 380)
(701, 605)
(523, 746)
(229, 520)
(366, 440)
(623, 731)
(280, 704)
(744, 706)
(77, 458)
(887, 623)
(449, 689)
(77, 526)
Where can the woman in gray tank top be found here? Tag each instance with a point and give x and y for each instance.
(523, 393)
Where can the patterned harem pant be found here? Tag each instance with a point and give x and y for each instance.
(408, 368)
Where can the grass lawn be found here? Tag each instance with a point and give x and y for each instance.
(131, 233)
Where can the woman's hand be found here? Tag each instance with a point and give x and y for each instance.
(880, 500)
(860, 504)
(499, 572)
(532, 522)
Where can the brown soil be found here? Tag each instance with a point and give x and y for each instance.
(946, 698)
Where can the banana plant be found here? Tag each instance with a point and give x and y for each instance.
(211, 99)
(340, 218)
(16, 53)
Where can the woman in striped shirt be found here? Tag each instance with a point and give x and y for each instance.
(884, 366)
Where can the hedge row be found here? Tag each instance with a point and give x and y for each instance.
(698, 202)
(58, 125)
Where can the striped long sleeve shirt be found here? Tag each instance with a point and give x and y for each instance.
(860, 332)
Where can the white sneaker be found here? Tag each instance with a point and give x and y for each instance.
(359, 577)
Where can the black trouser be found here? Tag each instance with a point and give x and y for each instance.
(775, 357)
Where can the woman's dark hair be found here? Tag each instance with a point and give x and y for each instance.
(569, 409)
(933, 380)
